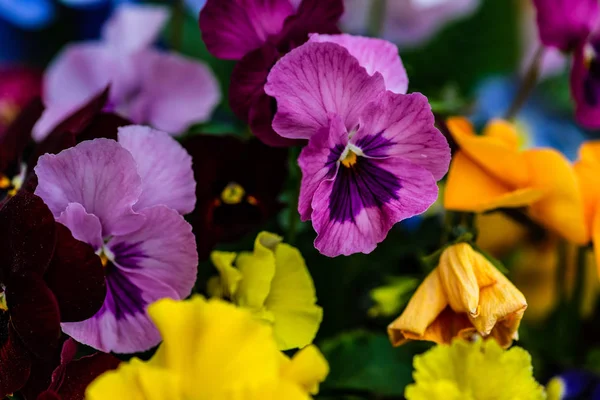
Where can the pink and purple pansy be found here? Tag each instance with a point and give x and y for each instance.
(126, 199)
(257, 33)
(373, 156)
(165, 90)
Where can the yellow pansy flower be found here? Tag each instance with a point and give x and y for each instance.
(490, 172)
(274, 283)
(463, 296)
(212, 350)
(478, 370)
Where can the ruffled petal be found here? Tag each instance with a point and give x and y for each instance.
(175, 92)
(403, 126)
(374, 55)
(315, 80)
(101, 176)
(233, 28)
(134, 27)
(355, 211)
(83, 226)
(319, 161)
(164, 166)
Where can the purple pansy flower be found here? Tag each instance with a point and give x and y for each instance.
(166, 90)
(373, 156)
(125, 198)
(257, 33)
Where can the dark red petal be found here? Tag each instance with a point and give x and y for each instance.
(49, 395)
(18, 134)
(261, 121)
(76, 277)
(34, 314)
(41, 375)
(80, 373)
(313, 16)
(15, 364)
(27, 236)
(105, 125)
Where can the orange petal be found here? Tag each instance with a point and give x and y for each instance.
(588, 177)
(596, 240)
(470, 188)
(499, 234)
(496, 154)
(422, 309)
(503, 130)
(458, 278)
(561, 209)
(589, 152)
(446, 327)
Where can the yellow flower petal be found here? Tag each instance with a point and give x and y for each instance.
(458, 278)
(477, 370)
(292, 299)
(230, 276)
(498, 233)
(308, 368)
(470, 188)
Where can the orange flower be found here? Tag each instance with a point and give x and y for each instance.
(463, 296)
(490, 172)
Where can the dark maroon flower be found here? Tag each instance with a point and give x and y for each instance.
(18, 86)
(238, 184)
(47, 277)
(258, 33)
(73, 375)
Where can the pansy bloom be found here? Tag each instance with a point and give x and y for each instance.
(274, 283)
(213, 350)
(373, 156)
(238, 185)
(474, 370)
(257, 33)
(463, 296)
(47, 277)
(18, 86)
(165, 90)
(125, 198)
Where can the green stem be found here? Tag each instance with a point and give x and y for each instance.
(376, 16)
(295, 175)
(177, 27)
(527, 84)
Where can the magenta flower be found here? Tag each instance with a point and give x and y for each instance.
(565, 24)
(373, 156)
(18, 86)
(165, 90)
(125, 199)
(257, 33)
(585, 83)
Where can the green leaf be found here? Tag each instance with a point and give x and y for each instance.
(365, 361)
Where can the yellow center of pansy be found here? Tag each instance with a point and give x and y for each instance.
(350, 159)
(8, 112)
(13, 185)
(5, 183)
(233, 193)
(3, 305)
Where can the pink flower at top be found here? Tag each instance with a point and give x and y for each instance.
(125, 198)
(257, 33)
(373, 156)
(165, 90)
(18, 86)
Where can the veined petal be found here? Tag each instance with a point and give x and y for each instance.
(355, 211)
(233, 28)
(315, 80)
(101, 176)
(134, 27)
(470, 188)
(164, 166)
(423, 308)
(403, 126)
(83, 226)
(175, 92)
(374, 55)
(292, 300)
(458, 277)
(319, 161)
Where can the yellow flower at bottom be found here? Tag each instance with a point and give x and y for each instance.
(212, 350)
(274, 283)
(479, 370)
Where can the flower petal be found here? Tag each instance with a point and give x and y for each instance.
(28, 236)
(164, 166)
(233, 28)
(354, 212)
(374, 55)
(403, 126)
(78, 374)
(101, 176)
(175, 93)
(34, 313)
(565, 23)
(319, 161)
(15, 361)
(76, 277)
(134, 27)
(83, 226)
(257, 270)
(317, 79)
(583, 91)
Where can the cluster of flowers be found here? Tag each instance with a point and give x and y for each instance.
(104, 220)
